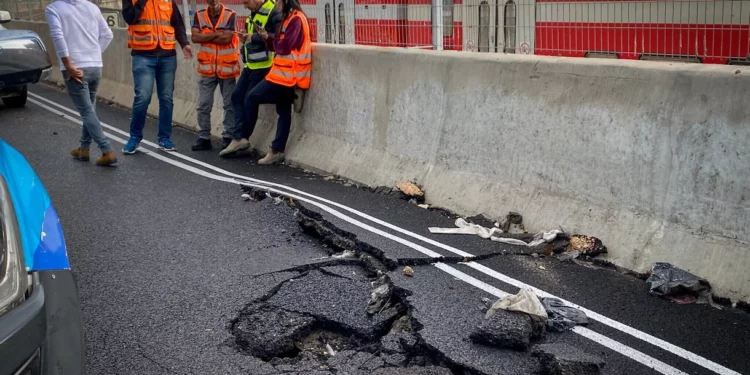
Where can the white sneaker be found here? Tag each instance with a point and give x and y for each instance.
(234, 146)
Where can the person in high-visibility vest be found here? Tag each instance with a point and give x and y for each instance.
(218, 65)
(155, 27)
(257, 61)
(292, 66)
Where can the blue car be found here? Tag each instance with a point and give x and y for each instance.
(40, 317)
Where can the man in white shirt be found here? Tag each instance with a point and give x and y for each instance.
(80, 35)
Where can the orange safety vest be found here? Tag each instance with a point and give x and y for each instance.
(154, 28)
(295, 68)
(220, 60)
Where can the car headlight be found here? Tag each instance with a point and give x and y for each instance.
(13, 278)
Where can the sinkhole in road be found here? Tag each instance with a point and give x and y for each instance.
(324, 321)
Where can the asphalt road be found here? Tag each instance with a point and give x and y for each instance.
(165, 252)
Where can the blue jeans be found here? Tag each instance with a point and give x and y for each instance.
(146, 70)
(84, 98)
(244, 125)
(270, 93)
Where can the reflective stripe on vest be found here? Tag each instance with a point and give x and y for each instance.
(295, 68)
(154, 28)
(217, 60)
(259, 58)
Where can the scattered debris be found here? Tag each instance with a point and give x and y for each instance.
(411, 190)
(277, 201)
(380, 296)
(561, 359)
(425, 206)
(331, 352)
(329, 178)
(587, 245)
(561, 316)
(569, 255)
(253, 194)
(464, 227)
(347, 254)
(678, 285)
(505, 329)
(525, 301)
(246, 197)
(538, 239)
(513, 224)
(408, 271)
(541, 267)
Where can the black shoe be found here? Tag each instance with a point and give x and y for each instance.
(225, 142)
(202, 145)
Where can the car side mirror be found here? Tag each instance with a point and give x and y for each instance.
(4, 16)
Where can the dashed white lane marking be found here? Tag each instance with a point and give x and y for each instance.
(243, 180)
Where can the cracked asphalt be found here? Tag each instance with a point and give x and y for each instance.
(165, 258)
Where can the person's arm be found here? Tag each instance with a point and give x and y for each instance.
(105, 33)
(274, 21)
(226, 35)
(195, 33)
(132, 13)
(293, 38)
(56, 31)
(179, 26)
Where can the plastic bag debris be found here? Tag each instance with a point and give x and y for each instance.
(410, 189)
(345, 254)
(678, 285)
(524, 301)
(408, 271)
(561, 316)
(539, 238)
(464, 227)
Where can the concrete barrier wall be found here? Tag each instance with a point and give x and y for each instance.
(653, 158)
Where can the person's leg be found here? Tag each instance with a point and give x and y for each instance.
(251, 114)
(283, 97)
(227, 89)
(206, 89)
(92, 77)
(144, 69)
(78, 92)
(238, 101)
(165, 74)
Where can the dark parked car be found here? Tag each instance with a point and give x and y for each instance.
(40, 316)
(23, 60)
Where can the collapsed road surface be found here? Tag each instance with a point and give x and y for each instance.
(179, 275)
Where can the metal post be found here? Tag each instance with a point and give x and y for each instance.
(186, 15)
(437, 25)
(30, 8)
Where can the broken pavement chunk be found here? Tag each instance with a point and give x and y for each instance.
(267, 332)
(504, 329)
(679, 285)
(587, 245)
(562, 359)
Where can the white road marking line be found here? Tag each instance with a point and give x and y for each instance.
(692, 357)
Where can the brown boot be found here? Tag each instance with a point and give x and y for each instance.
(81, 154)
(107, 158)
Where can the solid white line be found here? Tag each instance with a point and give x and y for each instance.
(703, 362)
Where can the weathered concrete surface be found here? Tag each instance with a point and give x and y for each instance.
(649, 157)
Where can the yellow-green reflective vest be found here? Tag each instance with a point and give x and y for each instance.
(258, 58)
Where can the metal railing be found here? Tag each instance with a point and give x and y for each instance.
(708, 31)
